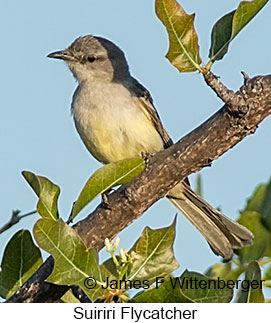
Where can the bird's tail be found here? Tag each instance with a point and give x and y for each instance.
(222, 233)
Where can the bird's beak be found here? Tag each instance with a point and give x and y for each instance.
(62, 54)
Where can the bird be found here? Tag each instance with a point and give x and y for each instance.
(116, 119)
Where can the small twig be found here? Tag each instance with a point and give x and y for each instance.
(246, 77)
(234, 100)
(15, 218)
(70, 216)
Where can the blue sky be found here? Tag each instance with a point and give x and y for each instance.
(37, 131)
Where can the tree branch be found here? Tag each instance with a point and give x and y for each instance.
(15, 218)
(240, 117)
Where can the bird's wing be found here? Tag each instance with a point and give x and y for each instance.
(148, 108)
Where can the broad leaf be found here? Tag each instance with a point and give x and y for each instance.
(74, 265)
(251, 291)
(68, 297)
(110, 175)
(47, 193)
(190, 287)
(109, 270)
(267, 276)
(163, 293)
(203, 289)
(154, 254)
(183, 50)
(227, 27)
(252, 221)
(224, 271)
(21, 259)
(261, 203)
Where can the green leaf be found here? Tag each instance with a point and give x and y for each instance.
(110, 175)
(109, 273)
(154, 254)
(267, 276)
(252, 221)
(225, 271)
(165, 293)
(260, 202)
(214, 292)
(21, 259)
(74, 265)
(190, 287)
(68, 297)
(252, 290)
(227, 27)
(183, 50)
(109, 270)
(47, 193)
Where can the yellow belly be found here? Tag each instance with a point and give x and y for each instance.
(113, 127)
(110, 138)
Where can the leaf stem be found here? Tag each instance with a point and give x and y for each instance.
(209, 65)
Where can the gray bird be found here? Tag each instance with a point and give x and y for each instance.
(116, 119)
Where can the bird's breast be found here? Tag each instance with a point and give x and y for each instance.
(111, 123)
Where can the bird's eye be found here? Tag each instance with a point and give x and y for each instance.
(91, 59)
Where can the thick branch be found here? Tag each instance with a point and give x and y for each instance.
(246, 109)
